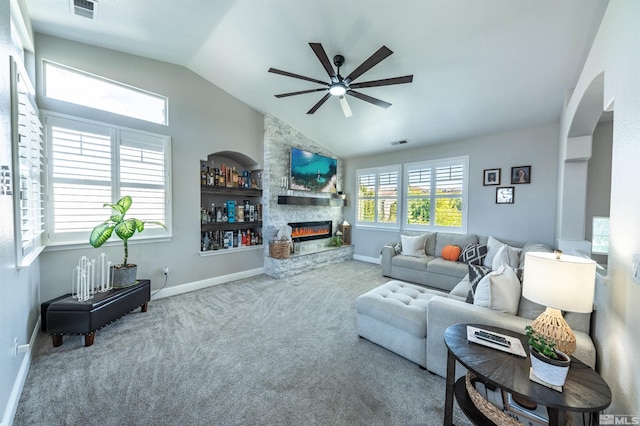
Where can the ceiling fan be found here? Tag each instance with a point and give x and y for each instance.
(340, 86)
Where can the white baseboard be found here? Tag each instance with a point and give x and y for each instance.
(198, 285)
(18, 385)
(375, 260)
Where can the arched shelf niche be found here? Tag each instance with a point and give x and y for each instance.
(236, 159)
(230, 216)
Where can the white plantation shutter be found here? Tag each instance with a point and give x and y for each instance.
(449, 180)
(92, 164)
(142, 175)
(378, 197)
(26, 183)
(436, 195)
(388, 197)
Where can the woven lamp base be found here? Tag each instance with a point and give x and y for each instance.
(552, 326)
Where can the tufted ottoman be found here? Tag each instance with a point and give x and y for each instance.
(394, 316)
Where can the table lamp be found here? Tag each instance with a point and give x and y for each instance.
(559, 282)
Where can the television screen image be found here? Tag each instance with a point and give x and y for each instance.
(312, 172)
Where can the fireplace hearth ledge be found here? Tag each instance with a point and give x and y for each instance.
(306, 261)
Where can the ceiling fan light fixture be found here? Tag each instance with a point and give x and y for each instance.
(337, 89)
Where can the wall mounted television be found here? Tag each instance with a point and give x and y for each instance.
(312, 172)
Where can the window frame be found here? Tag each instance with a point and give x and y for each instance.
(594, 236)
(103, 80)
(63, 240)
(433, 196)
(377, 171)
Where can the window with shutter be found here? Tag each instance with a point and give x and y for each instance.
(378, 197)
(436, 194)
(28, 155)
(94, 163)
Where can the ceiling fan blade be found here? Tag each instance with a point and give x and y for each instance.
(372, 61)
(383, 82)
(324, 60)
(301, 77)
(369, 99)
(319, 104)
(302, 92)
(346, 109)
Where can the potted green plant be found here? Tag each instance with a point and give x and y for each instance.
(335, 241)
(548, 363)
(123, 274)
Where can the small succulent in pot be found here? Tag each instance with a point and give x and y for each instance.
(541, 344)
(548, 363)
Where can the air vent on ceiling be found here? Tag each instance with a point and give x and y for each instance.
(84, 8)
(402, 142)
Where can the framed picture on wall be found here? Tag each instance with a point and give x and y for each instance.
(491, 177)
(505, 194)
(520, 174)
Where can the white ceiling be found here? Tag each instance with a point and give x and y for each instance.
(480, 67)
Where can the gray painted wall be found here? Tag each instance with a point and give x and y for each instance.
(530, 218)
(18, 288)
(202, 120)
(615, 332)
(599, 180)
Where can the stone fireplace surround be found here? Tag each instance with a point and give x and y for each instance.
(278, 140)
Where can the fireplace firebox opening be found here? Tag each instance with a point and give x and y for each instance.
(305, 231)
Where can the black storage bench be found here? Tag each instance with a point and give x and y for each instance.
(66, 315)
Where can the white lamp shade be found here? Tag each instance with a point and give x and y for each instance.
(567, 283)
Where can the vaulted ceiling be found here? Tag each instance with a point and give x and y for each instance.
(479, 67)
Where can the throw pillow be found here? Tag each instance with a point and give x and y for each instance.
(461, 289)
(473, 254)
(451, 252)
(413, 245)
(499, 291)
(397, 246)
(476, 273)
(493, 246)
(506, 255)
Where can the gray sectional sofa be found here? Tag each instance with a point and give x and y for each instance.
(432, 270)
(409, 314)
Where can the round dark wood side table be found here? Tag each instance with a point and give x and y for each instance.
(583, 391)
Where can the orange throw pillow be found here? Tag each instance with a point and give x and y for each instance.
(451, 252)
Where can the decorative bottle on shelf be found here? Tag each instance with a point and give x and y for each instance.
(211, 177)
(203, 175)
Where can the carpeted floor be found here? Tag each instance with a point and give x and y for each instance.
(252, 352)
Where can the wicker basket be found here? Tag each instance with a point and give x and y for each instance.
(279, 249)
(492, 412)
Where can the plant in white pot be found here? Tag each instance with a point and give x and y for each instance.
(548, 363)
(123, 274)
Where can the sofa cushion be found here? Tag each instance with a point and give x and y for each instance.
(451, 253)
(499, 290)
(473, 254)
(413, 245)
(532, 247)
(461, 290)
(419, 263)
(446, 267)
(447, 238)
